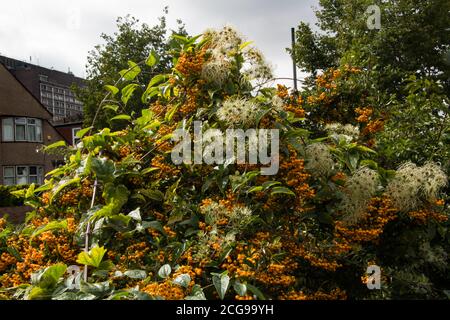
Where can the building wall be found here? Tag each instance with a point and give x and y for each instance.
(17, 101)
(66, 131)
(51, 87)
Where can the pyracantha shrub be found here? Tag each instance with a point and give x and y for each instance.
(121, 220)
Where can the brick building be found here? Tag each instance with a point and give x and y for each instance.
(51, 87)
(25, 128)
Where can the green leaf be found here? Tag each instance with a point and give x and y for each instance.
(169, 115)
(154, 225)
(121, 117)
(13, 251)
(103, 168)
(52, 275)
(38, 293)
(256, 291)
(157, 79)
(30, 191)
(99, 290)
(46, 279)
(127, 92)
(135, 214)
(152, 194)
(111, 107)
(55, 145)
(245, 44)
(365, 149)
(119, 221)
(283, 190)
(266, 185)
(136, 274)
(115, 198)
(164, 271)
(221, 283)
(148, 170)
(196, 293)
(80, 134)
(114, 90)
(63, 184)
(183, 280)
(92, 258)
(240, 288)
(149, 93)
(132, 72)
(255, 189)
(54, 225)
(152, 59)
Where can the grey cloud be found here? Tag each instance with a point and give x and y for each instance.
(43, 29)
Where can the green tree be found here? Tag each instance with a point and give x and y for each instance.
(131, 42)
(405, 71)
(414, 38)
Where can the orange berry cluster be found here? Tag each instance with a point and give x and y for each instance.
(170, 233)
(282, 91)
(6, 260)
(3, 223)
(166, 171)
(294, 175)
(191, 102)
(364, 114)
(158, 108)
(191, 63)
(166, 290)
(335, 294)
(424, 215)
(166, 145)
(135, 253)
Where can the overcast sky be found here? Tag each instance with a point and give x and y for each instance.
(59, 34)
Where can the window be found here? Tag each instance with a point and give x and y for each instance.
(35, 175)
(8, 176)
(8, 129)
(23, 175)
(43, 78)
(75, 139)
(22, 129)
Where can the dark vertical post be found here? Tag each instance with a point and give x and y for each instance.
(294, 68)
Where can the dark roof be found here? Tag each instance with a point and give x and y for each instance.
(64, 124)
(55, 76)
(28, 91)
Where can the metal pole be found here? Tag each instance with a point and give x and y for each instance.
(294, 68)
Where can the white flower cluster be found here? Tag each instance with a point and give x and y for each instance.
(238, 216)
(258, 67)
(238, 112)
(319, 161)
(359, 189)
(277, 104)
(413, 185)
(223, 46)
(348, 131)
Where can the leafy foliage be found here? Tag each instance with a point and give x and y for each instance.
(146, 228)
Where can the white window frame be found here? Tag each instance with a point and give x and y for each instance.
(13, 177)
(39, 174)
(17, 122)
(75, 139)
(23, 121)
(4, 124)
